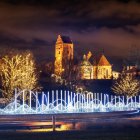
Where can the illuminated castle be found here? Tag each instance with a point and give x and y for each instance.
(63, 55)
(85, 69)
(64, 58)
(100, 70)
(103, 69)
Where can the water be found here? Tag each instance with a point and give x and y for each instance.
(68, 102)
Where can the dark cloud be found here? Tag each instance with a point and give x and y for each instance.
(92, 25)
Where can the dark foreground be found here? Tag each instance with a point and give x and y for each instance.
(90, 126)
(95, 134)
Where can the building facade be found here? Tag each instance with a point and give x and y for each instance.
(85, 70)
(102, 69)
(99, 70)
(131, 70)
(63, 55)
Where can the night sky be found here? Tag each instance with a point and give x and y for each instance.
(95, 25)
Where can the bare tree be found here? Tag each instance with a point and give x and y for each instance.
(126, 85)
(18, 71)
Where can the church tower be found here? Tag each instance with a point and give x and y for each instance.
(63, 55)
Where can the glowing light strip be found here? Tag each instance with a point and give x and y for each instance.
(68, 102)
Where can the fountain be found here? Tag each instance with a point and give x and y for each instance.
(68, 102)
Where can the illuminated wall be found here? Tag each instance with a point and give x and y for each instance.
(85, 69)
(63, 54)
(103, 69)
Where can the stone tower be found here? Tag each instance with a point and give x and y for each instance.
(63, 56)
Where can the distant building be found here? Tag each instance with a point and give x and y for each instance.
(63, 55)
(63, 65)
(131, 70)
(85, 70)
(99, 70)
(131, 65)
(102, 69)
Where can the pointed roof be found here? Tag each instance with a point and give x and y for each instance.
(103, 61)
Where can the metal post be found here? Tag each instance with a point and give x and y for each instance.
(53, 123)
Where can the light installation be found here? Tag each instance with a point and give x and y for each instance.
(68, 102)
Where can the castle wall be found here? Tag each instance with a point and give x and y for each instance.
(104, 72)
(63, 56)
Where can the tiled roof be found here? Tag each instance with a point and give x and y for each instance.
(103, 61)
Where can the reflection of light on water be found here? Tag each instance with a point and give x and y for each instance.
(65, 127)
(36, 130)
(35, 127)
(80, 126)
(42, 123)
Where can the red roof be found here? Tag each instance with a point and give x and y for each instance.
(103, 61)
